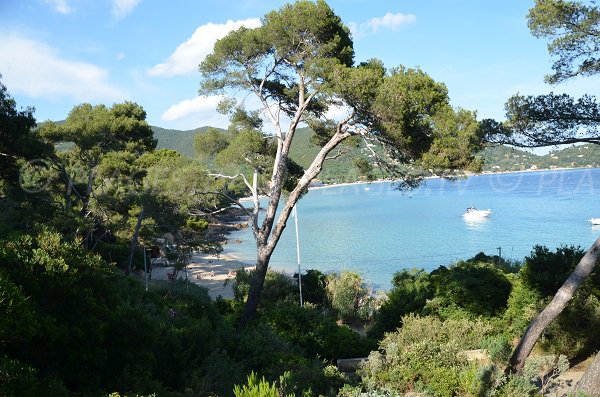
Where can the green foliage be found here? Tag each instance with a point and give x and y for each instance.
(479, 289)
(18, 379)
(209, 143)
(18, 140)
(85, 329)
(574, 28)
(313, 287)
(523, 305)
(317, 335)
(364, 167)
(574, 333)
(425, 355)
(278, 287)
(410, 291)
(349, 296)
(545, 271)
(539, 370)
(197, 224)
(258, 388)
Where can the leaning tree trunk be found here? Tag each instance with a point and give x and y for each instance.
(256, 286)
(555, 307)
(134, 240)
(590, 383)
(273, 232)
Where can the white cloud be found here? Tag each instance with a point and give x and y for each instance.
(388, 21)
(122, 8)
(391, 21)
(35, 69)
(337, 113)
(60, 6)
(200, 109)
(188, 55)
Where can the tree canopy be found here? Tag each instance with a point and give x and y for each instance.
(299, 65)
(573, 28)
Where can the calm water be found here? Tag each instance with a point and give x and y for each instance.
(377, 230)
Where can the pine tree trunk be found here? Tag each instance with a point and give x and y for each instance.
(590, 383)
(256, 287)
(134, 240)
(554, 308)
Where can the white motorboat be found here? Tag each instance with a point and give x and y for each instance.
(595, 221)
(474, 213)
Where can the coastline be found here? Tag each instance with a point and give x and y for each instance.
(474, 174)
(228, 261)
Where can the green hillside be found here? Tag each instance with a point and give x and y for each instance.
(303, 151)
(181, 141)
(341, 169)
(504, 158)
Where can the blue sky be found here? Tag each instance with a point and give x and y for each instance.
(59, 53)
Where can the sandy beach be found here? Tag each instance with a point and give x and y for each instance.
(207, 271)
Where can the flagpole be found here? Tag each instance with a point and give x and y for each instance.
(298, 253)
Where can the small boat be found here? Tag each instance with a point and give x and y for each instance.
(474, 213)
(595, 221)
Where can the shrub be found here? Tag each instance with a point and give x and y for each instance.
(545, 271)
(313, 287)
(410, 291)
(317, 336)
(259, 388)
(479, 288)
(523, 305)
(196, 224)
(349, 296)
(278, 287)
(424, 355)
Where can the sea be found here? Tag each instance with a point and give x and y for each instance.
(377, 230)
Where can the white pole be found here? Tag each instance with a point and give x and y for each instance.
(145, 268)
(298, 253)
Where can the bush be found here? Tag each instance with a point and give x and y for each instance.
(545, 271)
(477, 288)
(349, 296)
(317, 336)
(259, 388)
(523, 305)
(277, 287)
(86, 329)
(410, 291)
(313, 287)
(424, 355)
(196, 224)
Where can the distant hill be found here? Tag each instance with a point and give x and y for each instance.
(181, 141)
(505, 158)
(302, 151)
(341, 169)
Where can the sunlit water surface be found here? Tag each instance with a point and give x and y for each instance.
(377, 230)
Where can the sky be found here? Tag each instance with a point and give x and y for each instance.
(56, 54)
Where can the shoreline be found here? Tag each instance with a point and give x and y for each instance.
(208, 271)
(233, 260)
(345, 184)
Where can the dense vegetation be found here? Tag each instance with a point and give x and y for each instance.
(81, 200)
(497, 158)
(74, 324)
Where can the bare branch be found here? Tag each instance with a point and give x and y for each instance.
(236, 202)
(248, 185)
(338, 154)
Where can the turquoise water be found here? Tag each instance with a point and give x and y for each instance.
(377, 230)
